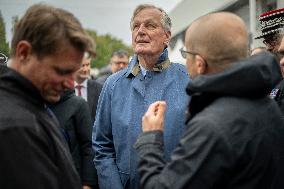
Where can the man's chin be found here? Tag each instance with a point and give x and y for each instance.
(52, 98)
(141, 52)
(141, 49)
(84, 77)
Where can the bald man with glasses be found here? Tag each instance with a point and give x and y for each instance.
(234, 131)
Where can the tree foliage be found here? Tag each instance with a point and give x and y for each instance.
(105, 45)
(15, 20)
(4, 46)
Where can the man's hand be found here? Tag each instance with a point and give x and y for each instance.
(86, 187)
(153, 119)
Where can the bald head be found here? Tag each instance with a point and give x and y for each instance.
(220, 38)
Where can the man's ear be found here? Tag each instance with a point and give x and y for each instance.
(168, 37)
(201, 65)
(23, 51)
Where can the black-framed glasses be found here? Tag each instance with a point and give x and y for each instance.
(118, 63)
(185, 53)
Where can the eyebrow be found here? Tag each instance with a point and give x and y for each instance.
(63, 71)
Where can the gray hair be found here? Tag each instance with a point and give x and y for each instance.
(165, 19)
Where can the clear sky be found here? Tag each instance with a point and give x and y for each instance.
(104, 16)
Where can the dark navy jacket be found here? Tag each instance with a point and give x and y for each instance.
(234, 136)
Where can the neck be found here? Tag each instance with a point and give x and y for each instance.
(80, 80)
(13, 65)
(148, 62)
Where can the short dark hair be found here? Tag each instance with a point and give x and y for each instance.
(120, 53)
(46, 27)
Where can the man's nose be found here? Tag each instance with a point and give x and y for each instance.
(122, 65)
(85, 68)
(141, 29)
(68, 83)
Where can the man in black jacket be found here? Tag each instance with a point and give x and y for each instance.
(234, 133)
(47, 49)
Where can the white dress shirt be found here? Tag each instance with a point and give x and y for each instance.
(83, 89)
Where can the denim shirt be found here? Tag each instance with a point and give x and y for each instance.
(124, 99)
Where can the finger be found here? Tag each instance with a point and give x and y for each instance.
(154, 105)
(152, 108)
(161, 109)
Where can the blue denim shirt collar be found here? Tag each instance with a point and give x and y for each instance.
(162, 63)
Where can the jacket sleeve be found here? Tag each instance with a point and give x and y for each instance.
(83, 129)
(198, 161)
(25, 154)
(105, 155)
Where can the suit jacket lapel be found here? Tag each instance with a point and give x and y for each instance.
(90, 94)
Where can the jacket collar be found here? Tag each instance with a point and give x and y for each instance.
(162, 64)
(17, 84)
(252, 77)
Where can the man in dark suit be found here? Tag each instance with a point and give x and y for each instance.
(87, 88)
(93, 94)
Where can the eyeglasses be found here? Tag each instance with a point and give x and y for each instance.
(185, 53)
(118, 63)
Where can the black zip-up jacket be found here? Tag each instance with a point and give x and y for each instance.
(234, 138)
(33, 152)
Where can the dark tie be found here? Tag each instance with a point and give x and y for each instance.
(78, 87)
